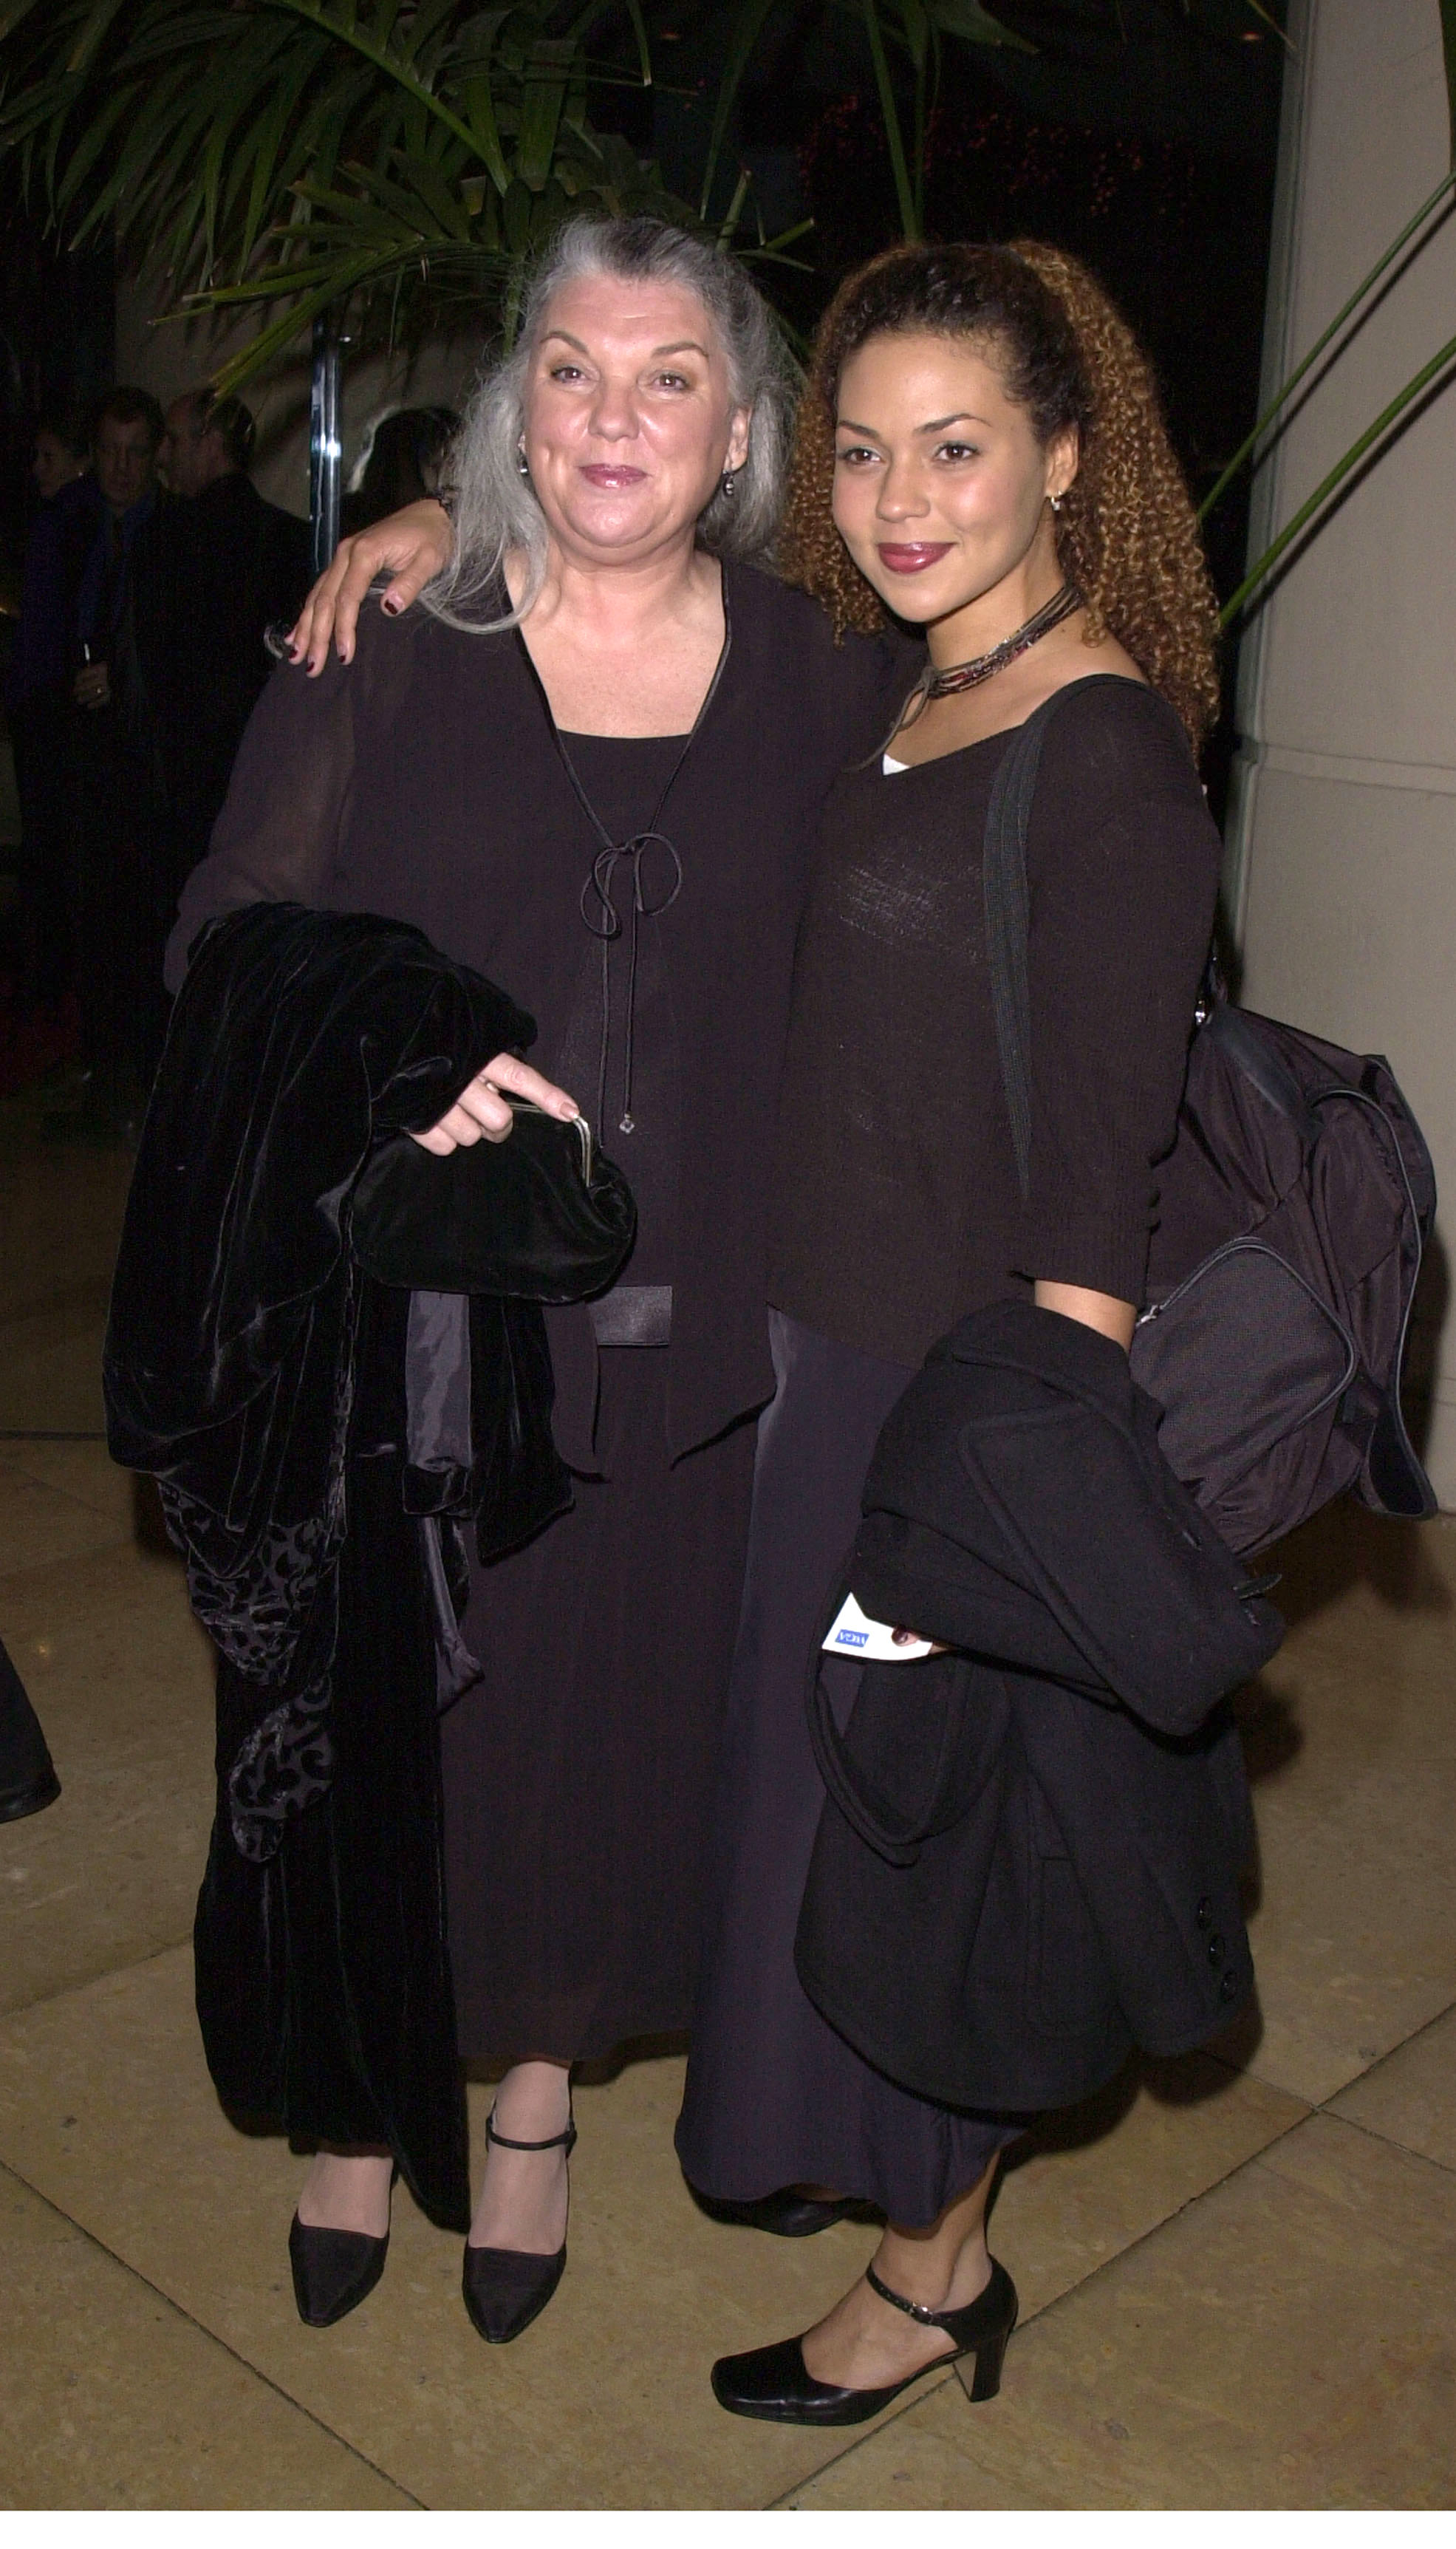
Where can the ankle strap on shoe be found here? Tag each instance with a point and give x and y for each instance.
(912, 2310)
(565, 2142)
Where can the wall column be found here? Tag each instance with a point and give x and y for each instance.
(1341, 872)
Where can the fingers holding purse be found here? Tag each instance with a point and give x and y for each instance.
(480, 1112)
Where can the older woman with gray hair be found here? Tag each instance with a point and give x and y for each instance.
(589, 764)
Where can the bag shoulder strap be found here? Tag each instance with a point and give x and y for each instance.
(1008, 909)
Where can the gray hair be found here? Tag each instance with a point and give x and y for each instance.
(496, 507)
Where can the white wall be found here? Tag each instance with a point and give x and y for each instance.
(1342, 848)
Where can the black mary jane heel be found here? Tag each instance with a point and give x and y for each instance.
(774, 2383)
(504, 2289)
(334, 2271)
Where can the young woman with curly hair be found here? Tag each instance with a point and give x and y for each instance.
(980, 455)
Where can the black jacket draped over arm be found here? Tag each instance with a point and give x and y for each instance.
(254, 1370)
(1029, 1858)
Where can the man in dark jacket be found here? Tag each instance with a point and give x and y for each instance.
(228, 568)
(175, 609)
(116, 803)
(37, 703)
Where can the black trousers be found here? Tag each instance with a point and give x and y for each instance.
(122, 901)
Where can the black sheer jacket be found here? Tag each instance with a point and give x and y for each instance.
(422, 781)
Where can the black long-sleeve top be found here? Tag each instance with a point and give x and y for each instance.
(896, 1204)
(423, 783)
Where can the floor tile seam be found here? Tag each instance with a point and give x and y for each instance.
(1281, 2088)
(1321, 2106)
(22, 1433)
(209, 2336)
(866, 2434)
(75, 1557)
(81, 1311)
(1059, 2301)
(13, 1464)
(116, 1535)
(1414, 2036)
(1391, 2141)
(68, 1991)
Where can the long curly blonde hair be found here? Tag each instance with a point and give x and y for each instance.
(1126, 535)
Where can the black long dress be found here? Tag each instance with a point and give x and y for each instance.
(425, 781)
(896, 1212)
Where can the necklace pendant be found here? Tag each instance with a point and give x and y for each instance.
(625, 1124)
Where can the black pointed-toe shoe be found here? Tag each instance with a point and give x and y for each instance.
(787, 2214)
(774, 2383)
(334, 2271)
(504, 2289)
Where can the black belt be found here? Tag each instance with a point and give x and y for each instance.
(634, 1314)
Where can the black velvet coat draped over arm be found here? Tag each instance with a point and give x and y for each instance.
(254, 1370)
(423, 783)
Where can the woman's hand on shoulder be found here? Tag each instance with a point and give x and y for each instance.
(409, 547)
(481, 1113)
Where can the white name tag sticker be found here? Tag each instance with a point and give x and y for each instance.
(870, 1642)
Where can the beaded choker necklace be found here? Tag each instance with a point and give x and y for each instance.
(943, 684)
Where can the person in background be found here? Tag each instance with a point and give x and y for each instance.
(37, 690)
(176, 604)
(403, 463)
(62, 451)
(119, 909)
(219, 568)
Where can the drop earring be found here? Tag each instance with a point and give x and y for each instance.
(523, 465)
(728, 481)
(1055, 503)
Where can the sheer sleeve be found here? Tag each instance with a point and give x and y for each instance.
(1123, 867)
(277, 838)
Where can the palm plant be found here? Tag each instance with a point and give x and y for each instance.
(398, 157)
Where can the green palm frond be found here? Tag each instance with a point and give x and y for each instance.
(400, 156)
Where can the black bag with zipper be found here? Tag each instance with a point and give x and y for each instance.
(1292, 1213)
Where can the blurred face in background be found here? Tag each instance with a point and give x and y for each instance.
(192, 454)
(53, 465)
(126, 462)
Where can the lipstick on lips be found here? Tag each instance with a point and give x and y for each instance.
(912, 557)
(611, 473)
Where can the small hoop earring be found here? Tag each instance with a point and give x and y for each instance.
(728, 481)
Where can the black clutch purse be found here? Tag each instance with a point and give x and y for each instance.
(542, 1216)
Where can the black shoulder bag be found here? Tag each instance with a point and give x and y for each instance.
(1293, 1211)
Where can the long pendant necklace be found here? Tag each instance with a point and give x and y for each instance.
(945, 682)
(598, 909)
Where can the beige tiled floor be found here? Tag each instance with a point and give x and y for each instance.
(1237, 2272)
